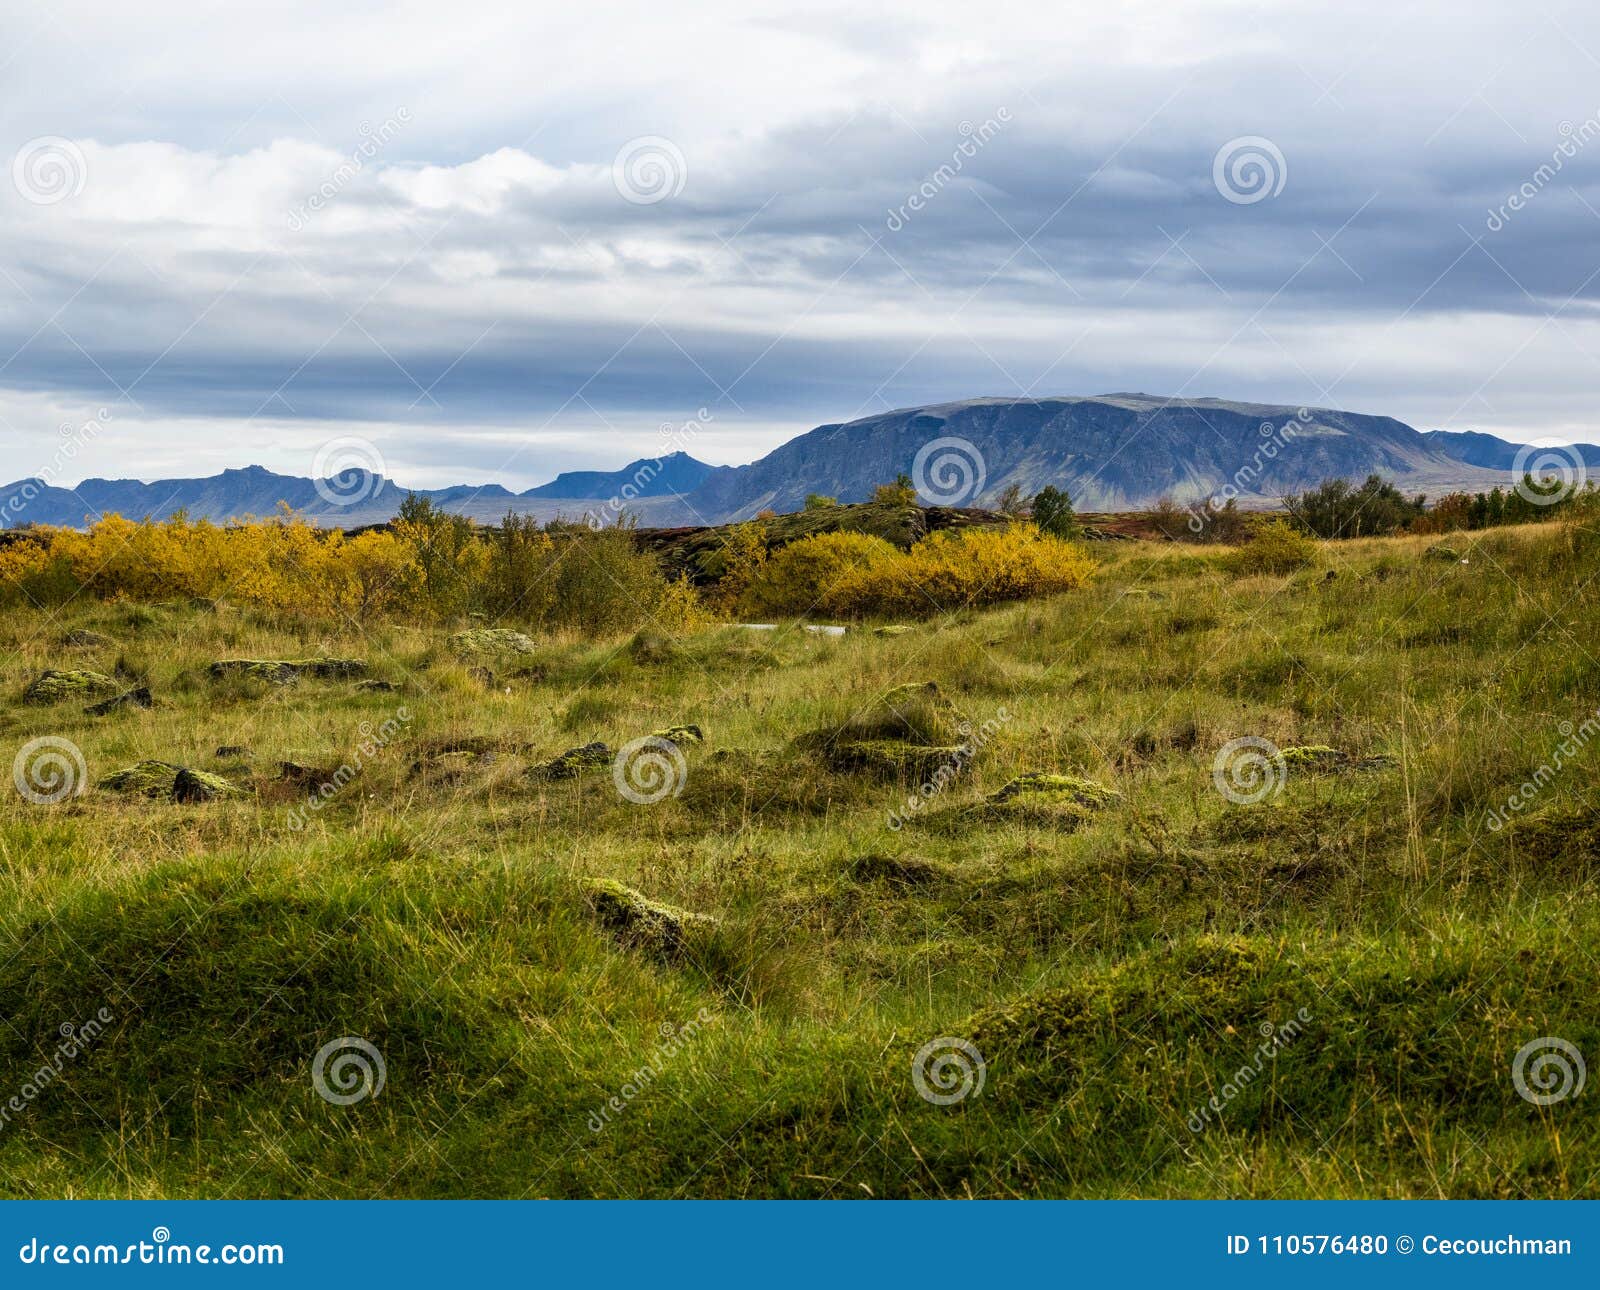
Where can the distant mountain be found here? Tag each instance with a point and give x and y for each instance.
(675, 474)
(1479, 449)
(348, 501)
(1110, 452)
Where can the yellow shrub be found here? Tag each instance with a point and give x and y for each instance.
(854, 574)
(1275, 548)
(807, 575)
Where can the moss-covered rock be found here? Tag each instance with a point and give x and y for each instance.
(891, 629)
(60, 684)
(139, 697)
(83, 638)
(377, 687)
(640, 923)
(493, 640)
(288, 671)
(573, 762)
(682, 736)
(152, 778)
(201, 786)
(1321, 759)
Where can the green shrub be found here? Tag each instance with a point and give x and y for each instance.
(1276, 548)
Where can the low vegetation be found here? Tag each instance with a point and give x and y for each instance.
(1246, 871)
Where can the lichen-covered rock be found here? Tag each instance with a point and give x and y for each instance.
(573, 762)
(150, 778)
(139, 697)
(377, 687)
(891, 629)
(1319, 758)
(288, 671)
(492, 640)
(60, 684)
(83, 638)
(682, 736)
(153, 778)
(200, 786)
(225, 751)
(640, 923)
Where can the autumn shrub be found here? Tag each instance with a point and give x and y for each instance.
(1275, 548)
(808, 575)
(853, 574)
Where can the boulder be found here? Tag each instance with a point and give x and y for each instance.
(60, 684)
(135, 698)
(573, 762)
(637, 922)
(493, 640)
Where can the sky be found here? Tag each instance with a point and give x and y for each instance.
(487, 242)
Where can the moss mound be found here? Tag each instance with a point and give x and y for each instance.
(60, 684)
(1321, 759)
(908, 732)
(640, 923)
(493, 640)
(288, 671)
(898, 871)
(573, 762)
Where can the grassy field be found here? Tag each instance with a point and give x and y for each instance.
(1152, 990)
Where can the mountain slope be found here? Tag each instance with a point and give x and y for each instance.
(1486, 450)
(1111, 452)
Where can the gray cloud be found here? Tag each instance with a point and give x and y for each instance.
(254, 247)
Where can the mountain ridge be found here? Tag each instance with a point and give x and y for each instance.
(1118, 451)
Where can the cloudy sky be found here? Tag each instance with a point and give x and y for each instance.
(501, 241)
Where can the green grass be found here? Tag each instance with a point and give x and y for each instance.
(1115, 968)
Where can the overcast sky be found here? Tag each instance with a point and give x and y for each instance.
(498, 241)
